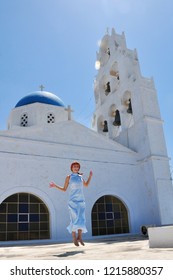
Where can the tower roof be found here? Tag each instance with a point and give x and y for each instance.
(40, 97)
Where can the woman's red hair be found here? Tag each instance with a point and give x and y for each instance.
(73, 163)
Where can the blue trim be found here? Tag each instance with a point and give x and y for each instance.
(40, 97)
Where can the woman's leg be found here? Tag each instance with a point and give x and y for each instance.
(74, 238)
(79, 238)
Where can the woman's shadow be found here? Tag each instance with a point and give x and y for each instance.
(71, 253)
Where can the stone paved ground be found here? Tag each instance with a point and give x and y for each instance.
(102, 249)
(126, 248)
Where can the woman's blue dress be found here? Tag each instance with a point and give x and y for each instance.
(76, 204)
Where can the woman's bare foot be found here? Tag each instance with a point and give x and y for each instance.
(79, 238)
(81, 242)
(75, 241)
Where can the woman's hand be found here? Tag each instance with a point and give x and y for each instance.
(91, 173)
(52, 185)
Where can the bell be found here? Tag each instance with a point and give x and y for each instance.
(108, 88)
(105, 128)
(108, 51)
(117, 121)
(129, 109)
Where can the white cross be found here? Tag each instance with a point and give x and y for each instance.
(69, 110)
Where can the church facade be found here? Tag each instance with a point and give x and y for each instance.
(125, 148)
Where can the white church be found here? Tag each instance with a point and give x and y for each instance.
(125, 148)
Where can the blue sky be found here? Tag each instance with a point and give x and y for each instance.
(54, 43)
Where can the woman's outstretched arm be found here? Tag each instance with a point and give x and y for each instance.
(64, 188)
(86, 183)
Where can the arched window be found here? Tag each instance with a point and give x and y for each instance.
(23, 216)
(109, 216)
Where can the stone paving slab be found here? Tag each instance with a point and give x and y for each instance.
(102, 249)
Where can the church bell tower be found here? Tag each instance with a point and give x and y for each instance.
(127, 111)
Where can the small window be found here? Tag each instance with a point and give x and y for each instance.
(24, 120)
(50, 118)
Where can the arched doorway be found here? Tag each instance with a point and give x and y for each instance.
(24, 216)
(109, 216)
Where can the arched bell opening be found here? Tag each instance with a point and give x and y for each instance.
(114, 122)
(102, 125)
(127, 103)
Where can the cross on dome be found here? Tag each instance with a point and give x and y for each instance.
(41, 87)
(69, 110)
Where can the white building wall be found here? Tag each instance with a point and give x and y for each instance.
(30, 165)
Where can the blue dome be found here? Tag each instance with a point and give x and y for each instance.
(40, 97)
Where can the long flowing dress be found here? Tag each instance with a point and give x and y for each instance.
(76, 204)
